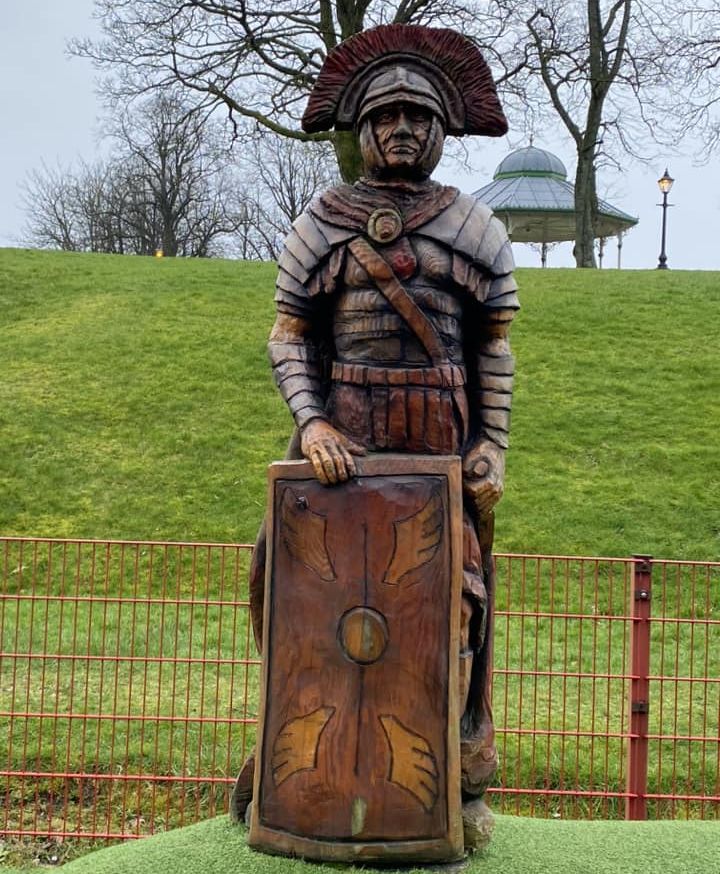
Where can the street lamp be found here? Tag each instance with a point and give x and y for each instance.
(665, 183)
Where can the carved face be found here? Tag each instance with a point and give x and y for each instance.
(401, 132)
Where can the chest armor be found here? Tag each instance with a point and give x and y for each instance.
(366, 328)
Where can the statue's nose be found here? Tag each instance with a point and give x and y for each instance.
(403, 124)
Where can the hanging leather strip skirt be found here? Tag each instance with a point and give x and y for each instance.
(420, 409)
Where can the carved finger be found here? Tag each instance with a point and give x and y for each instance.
(484, 512)
(487, 501)
(478, 468)
(329, 468)
(338, 458)
(318, 467)
(484, 502)
(355, 448)
(482, 488)
(349, 462)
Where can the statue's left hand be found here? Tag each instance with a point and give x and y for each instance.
(484, 475)
(330, 452)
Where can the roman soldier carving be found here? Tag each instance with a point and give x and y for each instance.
(394, 298)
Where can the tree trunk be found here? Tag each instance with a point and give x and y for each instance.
(169, 239)
(347, 152)
(585, 207)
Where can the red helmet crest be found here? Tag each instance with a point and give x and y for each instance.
(450, 62)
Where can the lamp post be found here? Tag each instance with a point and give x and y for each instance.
(665, 183)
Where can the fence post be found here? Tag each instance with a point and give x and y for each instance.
(637, 764)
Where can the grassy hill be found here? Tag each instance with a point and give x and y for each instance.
(136, 402)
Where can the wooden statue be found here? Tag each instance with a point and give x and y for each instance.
(394, 299)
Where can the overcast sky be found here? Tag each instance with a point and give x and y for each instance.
(49, 113)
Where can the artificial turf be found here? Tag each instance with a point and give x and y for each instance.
(519, 845)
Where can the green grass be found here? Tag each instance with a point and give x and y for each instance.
(520, 845)
(614, 446)
(136, 401)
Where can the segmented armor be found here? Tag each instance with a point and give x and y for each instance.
(384, 390)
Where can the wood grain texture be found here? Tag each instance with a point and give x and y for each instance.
(358, 752)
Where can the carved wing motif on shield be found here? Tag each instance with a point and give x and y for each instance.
(413, 765)
(304, 534)
(417, 539)
(296, 746)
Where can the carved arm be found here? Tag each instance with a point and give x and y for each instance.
(484, 462)
(494, 377)
(298, 373)
(297, 368)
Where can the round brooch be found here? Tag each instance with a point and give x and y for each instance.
(385, 225)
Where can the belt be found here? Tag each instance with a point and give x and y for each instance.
(442, 376)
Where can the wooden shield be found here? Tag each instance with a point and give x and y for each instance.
(358, 747)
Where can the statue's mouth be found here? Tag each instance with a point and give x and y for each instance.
(403, 149)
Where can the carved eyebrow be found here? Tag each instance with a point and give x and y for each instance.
(409, 106)
(403, 106)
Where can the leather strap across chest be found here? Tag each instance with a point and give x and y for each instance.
(397, 296)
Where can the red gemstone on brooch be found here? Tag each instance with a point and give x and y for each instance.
(403, 264)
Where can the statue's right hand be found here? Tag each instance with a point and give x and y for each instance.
(330, 452)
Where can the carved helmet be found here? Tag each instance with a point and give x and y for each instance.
(439, 69)
(398, 84)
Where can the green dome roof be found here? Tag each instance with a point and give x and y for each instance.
(531, 161)
(531, 193)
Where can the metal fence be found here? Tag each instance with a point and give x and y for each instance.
(607, 687)
(129, 679)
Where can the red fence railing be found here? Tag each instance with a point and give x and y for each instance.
(129, 679)
(607, 687)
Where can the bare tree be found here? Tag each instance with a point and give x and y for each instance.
(72, 209)
(165, 188)
(258, 61)
(696, 53)
(50, 222)
(177, 173)
(277, 180)
(602, 68)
